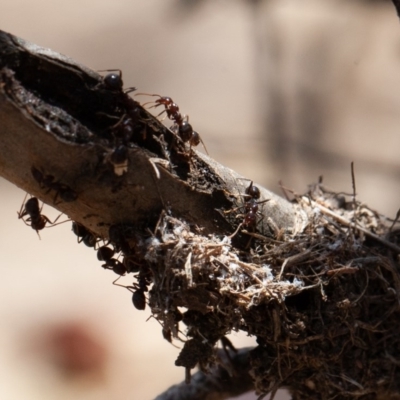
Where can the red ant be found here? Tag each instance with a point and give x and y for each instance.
(37, 220)
(184, 129)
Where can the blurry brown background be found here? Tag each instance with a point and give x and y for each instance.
(279, 90)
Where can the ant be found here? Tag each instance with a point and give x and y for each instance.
(105, 254)
(138, 289)
(184, 129)
(119, 235)
(48, 182)
(114, 81)
(37, 220)
(138, 297)
(84, 235)
(251, 208)
(123, 130)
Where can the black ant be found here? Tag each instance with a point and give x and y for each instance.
(117, 266)
(37, 220)
(184, 129)
(114, 81)
(251, 208)
(84, 235)
(119, 235)
(123, 130)
(138, 289)
(105, 254)
(48, 182)
(138, 297)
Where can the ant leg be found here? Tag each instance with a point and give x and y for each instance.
(147, 94)
(26, 221)
(126, 287)
(205, 148)
(54, 223)
(236, 231)
(111, 70)
(232, 210)
(22, 213)
(130, 90)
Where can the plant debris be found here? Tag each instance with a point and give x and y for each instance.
(322, 303)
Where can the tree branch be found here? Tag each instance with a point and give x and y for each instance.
(58, 116)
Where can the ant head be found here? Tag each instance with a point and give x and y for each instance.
(253, 191)
(166, 101)
(113, 81)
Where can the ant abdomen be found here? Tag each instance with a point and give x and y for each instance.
(105, 253)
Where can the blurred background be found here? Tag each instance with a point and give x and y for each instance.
(278, 91)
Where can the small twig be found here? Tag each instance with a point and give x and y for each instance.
(346, 222)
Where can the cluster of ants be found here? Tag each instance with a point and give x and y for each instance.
(118, 234)
(117, 248)
(122, 131)
(117, 244)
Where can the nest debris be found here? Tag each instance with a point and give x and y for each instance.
(322, 303)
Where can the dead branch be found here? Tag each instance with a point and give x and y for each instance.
(58, 117)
